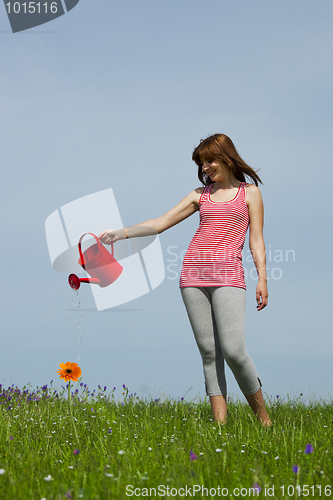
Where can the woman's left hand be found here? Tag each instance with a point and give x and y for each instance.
(261, 295)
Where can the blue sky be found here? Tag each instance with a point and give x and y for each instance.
(117, 95)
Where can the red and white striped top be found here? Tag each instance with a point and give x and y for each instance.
(214, 256)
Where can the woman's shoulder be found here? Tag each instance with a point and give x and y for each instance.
(251, 188)
(195, 195)
(253, 193)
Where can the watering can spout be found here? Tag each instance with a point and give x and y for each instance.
(99, 263)
(75, 282)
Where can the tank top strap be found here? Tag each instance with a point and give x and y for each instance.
(204, 194)
(243, 190)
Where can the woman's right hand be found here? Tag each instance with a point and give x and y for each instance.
(109, 236)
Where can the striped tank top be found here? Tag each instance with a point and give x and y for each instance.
(214, 256)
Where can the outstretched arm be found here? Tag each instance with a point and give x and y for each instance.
(257, 244)
(186, 207)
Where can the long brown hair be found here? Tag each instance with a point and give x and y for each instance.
(221, 147)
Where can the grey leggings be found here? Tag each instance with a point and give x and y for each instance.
(217, 317)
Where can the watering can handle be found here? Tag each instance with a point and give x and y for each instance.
(98, 242)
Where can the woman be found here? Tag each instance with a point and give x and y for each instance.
(212, 277)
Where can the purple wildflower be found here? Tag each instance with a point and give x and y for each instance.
(256, 487)
(295, 469)
(308, 449)
(192, 456)
(76, 451)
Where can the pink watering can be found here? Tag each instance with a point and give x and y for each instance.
(99, 263)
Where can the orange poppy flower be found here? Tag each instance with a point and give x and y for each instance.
(69, 371)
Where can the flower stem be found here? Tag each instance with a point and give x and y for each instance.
(70, 411)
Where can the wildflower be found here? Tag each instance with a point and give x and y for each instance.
(69, 371)
(68, 494)
(218, 450)
(110, 431)
(121, 452)
(76, 451)
(2, 471)
(308, 449)
(295, 469)
(256, 487)
(48, 478)
(192, 456)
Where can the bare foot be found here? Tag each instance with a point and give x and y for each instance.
(219, 408)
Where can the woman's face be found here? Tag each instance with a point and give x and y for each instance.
(216, 169)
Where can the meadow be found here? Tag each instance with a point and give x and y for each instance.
(114, 445)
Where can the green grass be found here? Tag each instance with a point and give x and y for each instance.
(146, 444)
